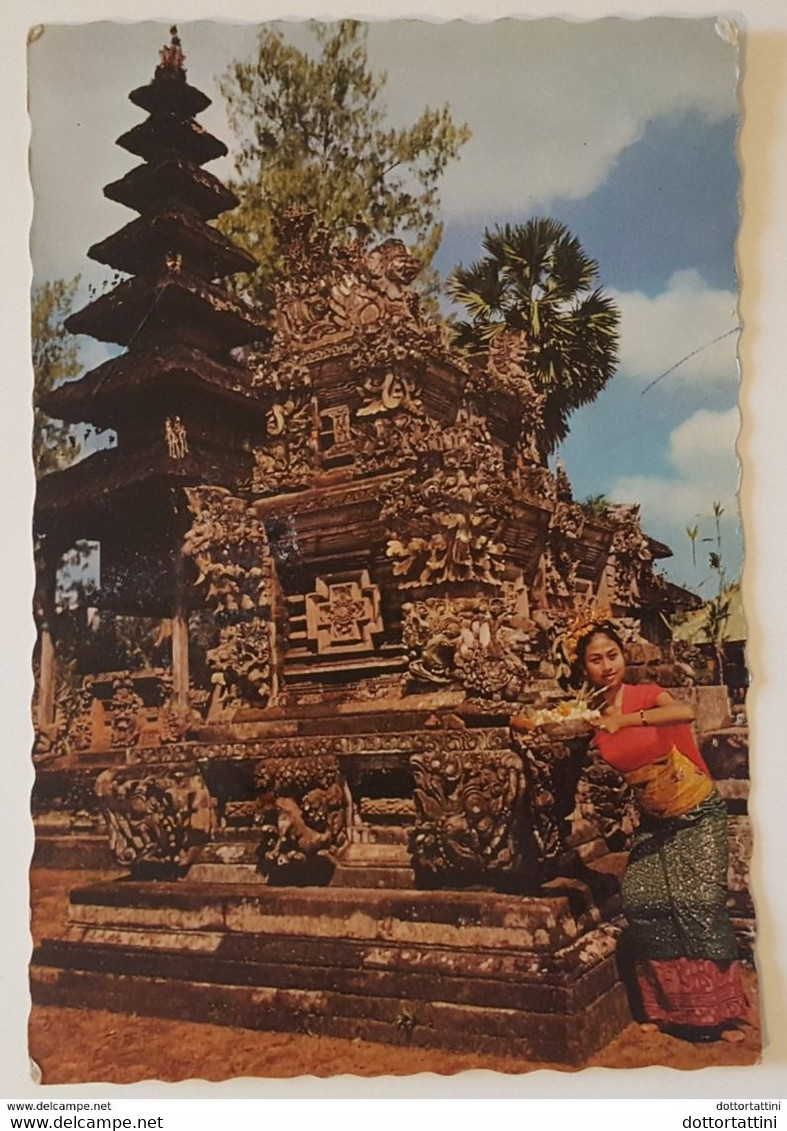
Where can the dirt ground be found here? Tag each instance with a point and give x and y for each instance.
(76, 1046)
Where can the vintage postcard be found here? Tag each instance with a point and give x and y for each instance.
(390, 703)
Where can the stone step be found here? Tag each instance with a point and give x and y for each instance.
(380, 834)
(411, 712)
(218, 873)
(497, 980)
(399, 722)
(73, 850)
(231, 849)
(302, 666)
(477, 971)
(406, 1010)
(456, 919)
(513, 966)
(362, 853)
(366, 876)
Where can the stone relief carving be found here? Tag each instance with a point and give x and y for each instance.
(395, 440)
(504, 369)
(607, 803)
(124, 716)
(546, 764)
(288, 456)
(331, 295)
(302, 809)
(389, 392)
(71, 729)
(631, 558)
(555, 587)
(155, 818)
(480, 642)
(468, 812)
(566, 786)
(343, 613)
(444, 521)
(81, 727)
(176, 438)
(230, 548)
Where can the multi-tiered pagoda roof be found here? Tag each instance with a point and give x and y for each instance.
(182, 406)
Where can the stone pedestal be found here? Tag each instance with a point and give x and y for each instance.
(530, 977)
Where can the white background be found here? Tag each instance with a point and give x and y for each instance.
(763, 448)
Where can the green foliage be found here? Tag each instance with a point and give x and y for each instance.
(717, 614)
(715, 628)
(537, 278)
(718, 511)
(313, 134)
(55, 359)
(596, 506)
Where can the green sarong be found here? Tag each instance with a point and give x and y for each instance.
(675, 886)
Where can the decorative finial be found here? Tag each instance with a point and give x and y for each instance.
(171, 57)
(564, 492)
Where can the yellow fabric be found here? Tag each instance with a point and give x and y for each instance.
(671, 786)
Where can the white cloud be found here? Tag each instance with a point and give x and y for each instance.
(657, 332)
(702, 453)
(551, 103)
(702, 447)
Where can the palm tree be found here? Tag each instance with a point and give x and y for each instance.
(536, 277)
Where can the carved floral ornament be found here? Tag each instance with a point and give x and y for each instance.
(230, 548)
(482, 643)
(355, 285)
(631, 558)
(468, 812)
(355, 302)
(288, 457)
(444, 521)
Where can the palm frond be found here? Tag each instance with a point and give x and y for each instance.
(536, 277)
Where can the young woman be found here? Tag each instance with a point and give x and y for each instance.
(675, 886)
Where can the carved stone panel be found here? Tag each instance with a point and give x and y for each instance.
(302, 810)
(343, 613)
(154, 818)
(468, 812)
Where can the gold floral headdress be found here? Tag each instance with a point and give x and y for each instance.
(587, 621)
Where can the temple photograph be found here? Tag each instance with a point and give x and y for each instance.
(390, 675)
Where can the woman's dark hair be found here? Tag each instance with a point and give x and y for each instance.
(606, 628)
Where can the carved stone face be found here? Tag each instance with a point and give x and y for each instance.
(396, 262)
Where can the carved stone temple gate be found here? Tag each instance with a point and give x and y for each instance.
(360, 561)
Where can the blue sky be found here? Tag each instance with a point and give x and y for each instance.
(669, 203)
(668, 211)
(623, 129)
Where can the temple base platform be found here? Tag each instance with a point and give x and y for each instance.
(534, 977)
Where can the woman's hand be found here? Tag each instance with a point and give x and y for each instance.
(611, 724)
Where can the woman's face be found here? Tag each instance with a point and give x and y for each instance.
(604, 662)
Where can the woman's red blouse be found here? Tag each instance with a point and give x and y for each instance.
(634, 747)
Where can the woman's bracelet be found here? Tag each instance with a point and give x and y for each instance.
(642, 718)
